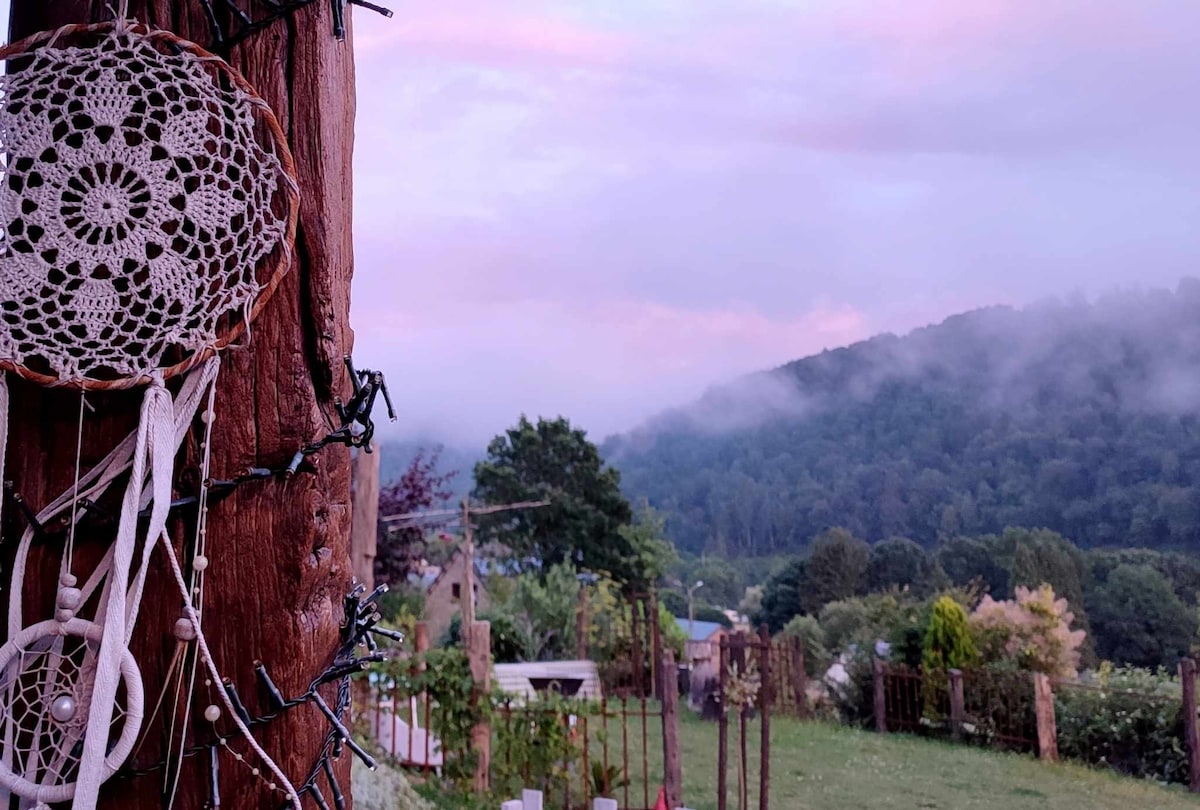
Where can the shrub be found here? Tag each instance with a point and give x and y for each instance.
(948, 643)
(1130, 720)
(812, 639)
(1033, 631)
(845, 622)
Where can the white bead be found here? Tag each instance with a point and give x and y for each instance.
(254, 771)
(68, 580)
(212, 714)
(206, 417)
(184, 631)
(200, 563)
(63, 615)
(271, 786)
(63, 708)
(69, 598)
(238, 757)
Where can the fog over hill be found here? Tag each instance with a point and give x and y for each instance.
(1075, 415)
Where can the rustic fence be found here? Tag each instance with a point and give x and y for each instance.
(1143, 733)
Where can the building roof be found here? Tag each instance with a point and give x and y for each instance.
(701, 631)
(524, 680)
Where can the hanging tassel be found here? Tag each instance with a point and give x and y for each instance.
(155, 445)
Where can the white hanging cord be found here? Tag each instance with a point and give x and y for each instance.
(195, 587)
(209, 664)
(69, 550)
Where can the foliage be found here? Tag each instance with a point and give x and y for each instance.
(812, 637)
(402, 606)
(781, 596)
(948, 643)
(752, 600)
(544, 611)
(606, 781)
(901, 563)
(708, 613)
(1034, 631)
(650, 553)
(1138, 618)
(538, 744)
(419, 487)
(552, 461)
(837, 569)
(1130, 720)
(1067, 416)
(845, 622)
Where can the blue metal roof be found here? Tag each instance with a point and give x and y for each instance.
(701, 631)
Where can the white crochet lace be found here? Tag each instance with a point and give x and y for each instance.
(136, 207)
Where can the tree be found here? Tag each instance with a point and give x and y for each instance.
(650, 553)
(279, 549)
(966, 559)
(1137, 619)
(899, 563)
(582, 525)
(948, 643)
(781, 596)
(421, 486)
(837, 569)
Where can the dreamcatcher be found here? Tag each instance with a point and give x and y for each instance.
(148, 209)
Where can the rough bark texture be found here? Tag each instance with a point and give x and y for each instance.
(279, 550)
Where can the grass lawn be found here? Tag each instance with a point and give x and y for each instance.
(820, 767)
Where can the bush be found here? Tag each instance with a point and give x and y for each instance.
(812, 638)
(948, 643)
(1130, 720)
(844, 623)
(1033, 631)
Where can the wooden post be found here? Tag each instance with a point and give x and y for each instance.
(739, 666)
(467, 602)
(723, 724)
(637, 668)
(673, 776)
(1043, 695)
(1187, 677)
(279, 550)
(364, 522)
(799, 678)
(479, 655)
(764, 706)
(957, 703)
(877, 667)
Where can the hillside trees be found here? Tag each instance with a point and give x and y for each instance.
(836, 569)
(1137, 618)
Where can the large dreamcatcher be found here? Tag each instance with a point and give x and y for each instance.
(148, 210)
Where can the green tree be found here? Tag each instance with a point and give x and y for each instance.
(650, 553)
(948, 643)
(967, 559)
(1137, 618)
(812, 639)
(781, 596)
(837, 569)
(900, 563)
(583, 524)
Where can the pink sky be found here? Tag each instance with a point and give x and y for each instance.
(600, 208)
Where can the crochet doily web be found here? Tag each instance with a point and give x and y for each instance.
(51, 669)
(139, 201)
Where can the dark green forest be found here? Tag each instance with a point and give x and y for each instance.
(1076, 416)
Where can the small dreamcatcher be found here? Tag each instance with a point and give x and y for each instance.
(147, 212)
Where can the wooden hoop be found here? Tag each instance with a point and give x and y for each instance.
(291, 187)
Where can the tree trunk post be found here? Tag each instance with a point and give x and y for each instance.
(799, 678)
(364, 523)
(957, 703)
(1187, 678)
(764, 705)
(1043, 693)
(880, 676)
(480, 658)
(723, 724)
(673, 776)
(279, 550)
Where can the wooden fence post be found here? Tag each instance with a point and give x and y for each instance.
(957, 703)
(1047, 728)
(479, 655)
(723, 724)
(764, 705)
(880, 696)
(799, 678)
(1187, 677)
(673, 777)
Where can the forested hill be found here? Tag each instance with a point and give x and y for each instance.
(1079, 417)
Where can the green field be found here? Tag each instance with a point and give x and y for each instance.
(821, 767)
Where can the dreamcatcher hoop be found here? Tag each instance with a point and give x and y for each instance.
(276, 149)
(21, 657)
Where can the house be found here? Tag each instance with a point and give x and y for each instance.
(444, 593)
(702, 640)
